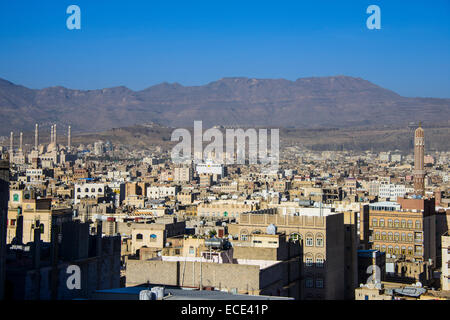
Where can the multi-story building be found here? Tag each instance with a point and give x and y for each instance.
(4, 195)
(445, 274)
(89, 190)
(182, 174)
(322, 234)
(405, 228)
(158, 192)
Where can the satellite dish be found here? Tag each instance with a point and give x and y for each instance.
(271, 229)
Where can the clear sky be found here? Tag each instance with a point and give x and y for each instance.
(142, 43)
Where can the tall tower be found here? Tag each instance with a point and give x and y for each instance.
(68, 138)
(54, 133)
(419, 153)
(51, 134)
(36, 137)
(11, 142)
(20, 142)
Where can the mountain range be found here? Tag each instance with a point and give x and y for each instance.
(319, 102)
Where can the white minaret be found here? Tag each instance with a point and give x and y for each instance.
(11, 142)
(20, 142)
(51, 134)
(68, 138)
(36, 136)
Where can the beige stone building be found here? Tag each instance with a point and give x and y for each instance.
(25, 211)
(323, 239)
(445, 275)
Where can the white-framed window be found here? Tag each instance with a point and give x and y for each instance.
(309, 261)
(309, 241)
(319, 262)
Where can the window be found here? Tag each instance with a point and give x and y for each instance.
(383, 236)
(403, 223)
(191, 250)
(139, 237)
(397, 223)
(309, 283)
(244, 237)
(390, 236)
(295, 237)
(319, 283)
(319, 240)
(397, 250)
(418, 224)
(153, 237)
(319, 262)
(381, 222)
(16, 197)
(410, 251)
(383, 248)
(309, 261)
(374, 222)
(309, 240)
(390, 224)
(390, 249)
(396, 236)
(410, 224)
(410, 237)
(403, 237)
(403, 250)
(377, 235)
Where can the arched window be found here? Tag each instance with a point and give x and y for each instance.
(397, 223)
(309, 240)
(319, 240)
(92, 189)
(319, 261)
(383, 248)
(374, 222)
(381, 222)
(403, 223)
(397, 250)
(390, 224)
(139, 237)
(403, 237)
(390, 236)
(86, 190)
(390, 249)
(383, 236)
(100, 189)
(79, 189)
(396, 236)
(418, 224)
(410, 224)
(377, 235)
(309, 260)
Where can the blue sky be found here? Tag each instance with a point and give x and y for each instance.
(142, 43)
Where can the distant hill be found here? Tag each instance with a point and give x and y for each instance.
(323, 102)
